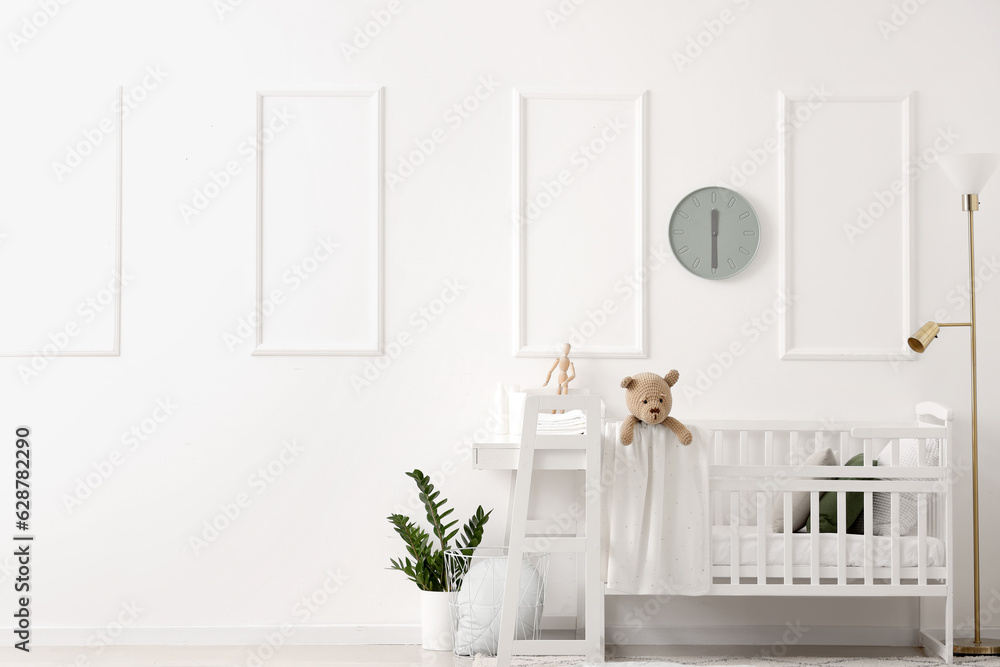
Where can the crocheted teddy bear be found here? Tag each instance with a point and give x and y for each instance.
(648, 398)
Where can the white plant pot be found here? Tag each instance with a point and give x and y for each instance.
(436, 633)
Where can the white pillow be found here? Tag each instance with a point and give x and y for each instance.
(476, 608)
(882, 502)
(800, 499)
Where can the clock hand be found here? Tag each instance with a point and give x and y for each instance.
(715, 238)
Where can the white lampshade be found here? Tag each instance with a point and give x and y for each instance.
(969, 171)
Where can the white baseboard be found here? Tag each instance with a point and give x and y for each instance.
(315, 635)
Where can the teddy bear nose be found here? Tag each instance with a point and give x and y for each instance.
(655, 411)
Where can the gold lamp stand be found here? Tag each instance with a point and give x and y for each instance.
(919, 342)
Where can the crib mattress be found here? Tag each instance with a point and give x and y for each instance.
(802, 549)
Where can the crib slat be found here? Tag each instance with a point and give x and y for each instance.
(842, 539)
(869, 542)
(761, 538)
(842, 455)
(921, 539)
(894, 451)
(793, 448)
(787, 533)
(922, 452)
(769, 448)
(744, 461)
(868, 453)
(719, 455)
(814, 536)
(734, 540)
(894, 577)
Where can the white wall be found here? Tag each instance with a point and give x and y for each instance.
(191, 281)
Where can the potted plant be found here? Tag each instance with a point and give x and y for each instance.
(425, 565)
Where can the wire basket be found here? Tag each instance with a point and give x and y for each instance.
(475, 594)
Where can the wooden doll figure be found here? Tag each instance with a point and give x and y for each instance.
(563, 364)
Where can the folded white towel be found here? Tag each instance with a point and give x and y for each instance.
(571, 416)
(574, 421)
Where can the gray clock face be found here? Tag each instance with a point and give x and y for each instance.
(714, 232)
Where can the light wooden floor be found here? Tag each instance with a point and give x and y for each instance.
(362, 656)
(232, 656)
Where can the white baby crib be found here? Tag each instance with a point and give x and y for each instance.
(754, 462)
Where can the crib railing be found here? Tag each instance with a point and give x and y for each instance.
(815, 573)
(751, 464)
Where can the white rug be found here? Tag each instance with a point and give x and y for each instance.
(728, 661)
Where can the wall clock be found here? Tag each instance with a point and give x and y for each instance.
(714, 232)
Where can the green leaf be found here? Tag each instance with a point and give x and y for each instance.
(427, 567)
(472, 532)
(417, 541)
(427, 496)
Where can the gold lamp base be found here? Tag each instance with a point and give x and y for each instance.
(966, 646)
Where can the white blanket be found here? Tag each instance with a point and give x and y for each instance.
(658, 533)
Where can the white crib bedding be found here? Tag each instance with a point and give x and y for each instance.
(802, 549)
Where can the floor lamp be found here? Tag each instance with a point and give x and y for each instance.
(969, 173)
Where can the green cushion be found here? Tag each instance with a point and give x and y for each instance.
(854, 504)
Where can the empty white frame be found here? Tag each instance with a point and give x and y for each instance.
(61, 241)
(580, 221)
(845, 227)
(319, 222)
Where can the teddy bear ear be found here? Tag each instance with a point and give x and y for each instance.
(672, 377)
(628, 382)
